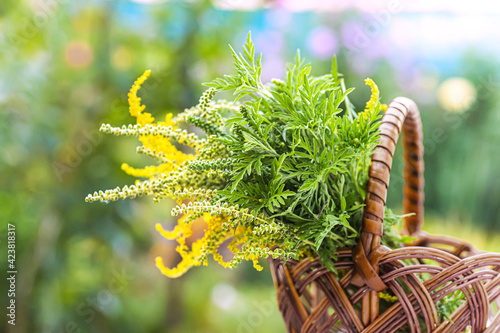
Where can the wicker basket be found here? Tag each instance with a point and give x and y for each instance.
(313, 299)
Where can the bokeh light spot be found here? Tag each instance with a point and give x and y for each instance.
(122, 58)
(456, 94)
(322, 43)
(79, 54)
(224, 296)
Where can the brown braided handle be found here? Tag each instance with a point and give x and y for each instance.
(402, 114)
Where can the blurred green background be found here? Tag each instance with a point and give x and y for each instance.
(66, 67)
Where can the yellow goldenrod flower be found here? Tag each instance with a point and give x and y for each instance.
(387, 297)
(135, 106)
(156, 144)
(214, 235)
(375, 96)
(175, 176)
(371, 105)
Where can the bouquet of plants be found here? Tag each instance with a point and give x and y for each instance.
(278, 172)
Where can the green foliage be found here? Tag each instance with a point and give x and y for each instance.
(449, 304)
(298, 157)
(286, 163)
(284, 167)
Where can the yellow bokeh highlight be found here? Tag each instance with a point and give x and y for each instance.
(122, 58)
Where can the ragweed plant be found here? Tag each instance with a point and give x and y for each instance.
(280, 171)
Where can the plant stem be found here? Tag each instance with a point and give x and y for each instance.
(348, 106)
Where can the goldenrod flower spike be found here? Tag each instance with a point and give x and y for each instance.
(375, 97)
(215, 234)
(155, 137)
(178, 271)
(135, 107)
(169, 234)
(148, 171)
(387, 297)
(196, 176)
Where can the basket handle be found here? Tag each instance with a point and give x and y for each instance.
(403, 114)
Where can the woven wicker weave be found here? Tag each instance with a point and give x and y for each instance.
(313, 299)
